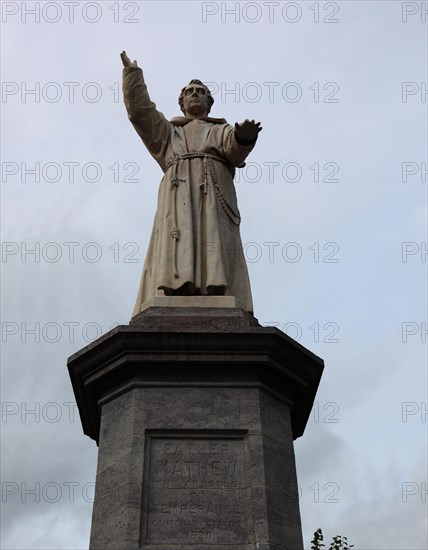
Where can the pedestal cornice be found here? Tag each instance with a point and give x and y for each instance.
(190, 347)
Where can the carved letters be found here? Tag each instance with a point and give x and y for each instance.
(196, 491)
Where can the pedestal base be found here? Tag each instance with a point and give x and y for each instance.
(192, 301)
(195, 414)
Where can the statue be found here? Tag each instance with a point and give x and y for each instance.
(195, 247)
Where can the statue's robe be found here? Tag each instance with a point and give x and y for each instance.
(195, 247)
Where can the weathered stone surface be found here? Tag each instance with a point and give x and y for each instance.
(195, 416)
(116, 517)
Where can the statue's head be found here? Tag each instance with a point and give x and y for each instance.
(195, 99)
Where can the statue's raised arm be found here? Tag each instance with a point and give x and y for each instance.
(149, 123)
(126, 61)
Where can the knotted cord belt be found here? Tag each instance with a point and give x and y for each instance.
(175, 181)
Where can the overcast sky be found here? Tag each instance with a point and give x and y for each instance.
(333, 201)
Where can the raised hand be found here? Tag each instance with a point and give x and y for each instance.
(126, 61)
(248, 130)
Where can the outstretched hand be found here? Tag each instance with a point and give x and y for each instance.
(126, 61)
(248, 130)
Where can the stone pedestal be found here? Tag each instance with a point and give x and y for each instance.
(195, 411)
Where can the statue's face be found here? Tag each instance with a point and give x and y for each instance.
(195, 101)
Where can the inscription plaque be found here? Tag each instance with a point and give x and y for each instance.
(196, 489)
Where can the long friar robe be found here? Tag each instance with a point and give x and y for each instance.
(195, 247)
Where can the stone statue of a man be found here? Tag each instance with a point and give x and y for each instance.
(195, 246)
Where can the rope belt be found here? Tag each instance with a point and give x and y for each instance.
(208, 160)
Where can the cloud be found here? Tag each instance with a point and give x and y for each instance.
(53, 308)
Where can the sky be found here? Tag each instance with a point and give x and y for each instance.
(334, 209)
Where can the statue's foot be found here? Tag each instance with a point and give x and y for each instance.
(216, 290)
(189, 289)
